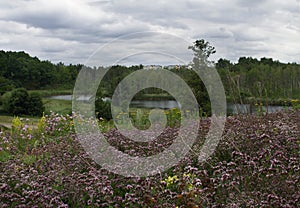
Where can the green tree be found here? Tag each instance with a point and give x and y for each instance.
(5, 85)
(223, 64)
(202, 50)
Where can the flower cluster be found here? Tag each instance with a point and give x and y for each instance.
(170, 180)
(56, 125)
(256, 164)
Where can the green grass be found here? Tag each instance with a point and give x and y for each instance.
(4, 156)
(264, 100)
(57, 106)
(140, 117)
(48, 93)
(28, 159)
(161, 96)
(7, 120)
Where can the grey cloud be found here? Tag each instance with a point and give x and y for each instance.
(57, 14)
(219, 33)
(252, 3)
(68, 31)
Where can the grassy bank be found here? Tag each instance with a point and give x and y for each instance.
(6, 121)
(265, 101)
(57, 106)
(162, 96)
(48, 93)
(63, 107)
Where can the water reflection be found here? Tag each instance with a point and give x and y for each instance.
(232, 108)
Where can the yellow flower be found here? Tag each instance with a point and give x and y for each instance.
(170, 180)
(42, 123)
(187, 175)
(17, 124)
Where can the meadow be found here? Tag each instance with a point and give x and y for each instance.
(256, 164)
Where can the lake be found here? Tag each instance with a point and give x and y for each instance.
(232, 108)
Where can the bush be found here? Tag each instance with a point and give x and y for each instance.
(19, 102)
(36, 107)
(103, 109)
(4, 98)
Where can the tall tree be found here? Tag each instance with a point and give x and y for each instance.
(202, 50)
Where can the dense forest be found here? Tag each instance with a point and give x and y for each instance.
(264, 78)
(19, 69)
(249, 77)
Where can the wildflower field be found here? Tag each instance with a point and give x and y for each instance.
(256, 164)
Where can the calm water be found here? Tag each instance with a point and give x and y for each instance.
(162, 104)
(69, 97)
(167, 104)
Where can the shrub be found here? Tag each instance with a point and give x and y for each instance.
(103, 109)
(19, 102)
(35, 107)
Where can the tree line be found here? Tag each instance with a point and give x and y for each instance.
(264, 78)
(249, 77)
(19, 69)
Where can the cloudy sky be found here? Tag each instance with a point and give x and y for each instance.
(71, 30)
